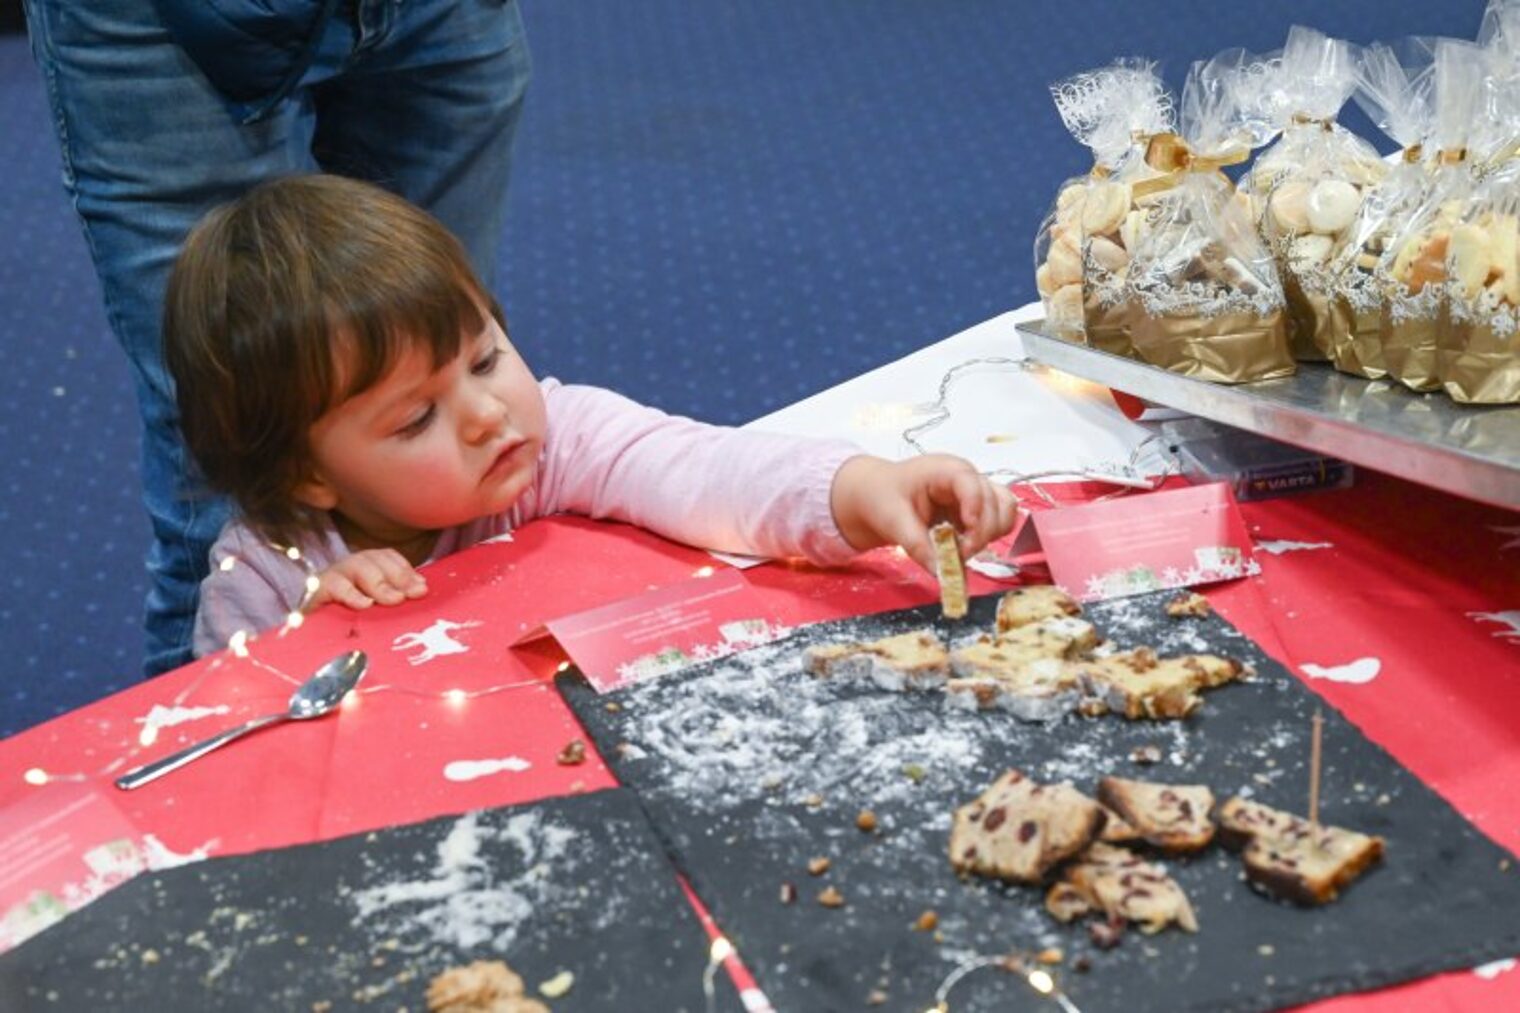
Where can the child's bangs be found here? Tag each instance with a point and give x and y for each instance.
(437, 317)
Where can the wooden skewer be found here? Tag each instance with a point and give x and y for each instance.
(1314, 761)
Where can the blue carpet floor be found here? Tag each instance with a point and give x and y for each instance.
(718, 208)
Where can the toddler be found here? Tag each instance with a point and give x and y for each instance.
(346, 379)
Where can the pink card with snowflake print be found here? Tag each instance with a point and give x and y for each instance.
(1135, 544)
(666, 630)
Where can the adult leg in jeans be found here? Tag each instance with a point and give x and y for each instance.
(148, 147)
(427, 106)
(423, 98)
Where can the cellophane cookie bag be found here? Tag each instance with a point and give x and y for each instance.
(1394, 89)
(1081, 253)
(1207, 297)
(1478, 359)
(1308, 187)
(1413, 269)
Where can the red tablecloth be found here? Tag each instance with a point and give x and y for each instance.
(1421, 582)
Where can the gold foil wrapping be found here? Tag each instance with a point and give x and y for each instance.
(1356, 342)
(1311, 321)
(1229, 348)
(1108, 327)
(1478, 365)
(1411, 350)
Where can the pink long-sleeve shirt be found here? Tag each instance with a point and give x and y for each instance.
(606, 457)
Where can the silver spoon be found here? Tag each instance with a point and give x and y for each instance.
(315, 697)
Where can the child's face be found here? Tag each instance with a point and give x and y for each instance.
(424, 449)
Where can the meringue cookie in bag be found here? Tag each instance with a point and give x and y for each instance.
(1312, 183)
(1105, 208)
(1289, 206)
(1332, 205)
(1084, 247)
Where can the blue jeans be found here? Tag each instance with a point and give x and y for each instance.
(421, 97)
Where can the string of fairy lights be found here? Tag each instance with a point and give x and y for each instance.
(239, 650)
(1040, 981)
(1126, 476)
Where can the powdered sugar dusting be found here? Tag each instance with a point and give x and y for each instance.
(756, 724)
(463, 901)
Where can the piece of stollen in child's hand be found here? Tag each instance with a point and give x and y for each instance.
(949, 570)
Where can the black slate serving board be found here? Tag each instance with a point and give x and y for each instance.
(366, 921)
(725, 757)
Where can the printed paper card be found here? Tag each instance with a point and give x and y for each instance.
(666, 630)
(61, 847)
(1134, 544)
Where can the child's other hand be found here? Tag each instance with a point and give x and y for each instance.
(370, 576)
(880, 502)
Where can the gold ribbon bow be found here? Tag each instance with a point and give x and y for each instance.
(1172, 156)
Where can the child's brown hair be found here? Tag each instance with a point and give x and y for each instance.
(286, 303)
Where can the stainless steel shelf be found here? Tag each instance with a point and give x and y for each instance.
(1468, 450)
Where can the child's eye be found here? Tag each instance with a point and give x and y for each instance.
(418, 424)
(488, 364)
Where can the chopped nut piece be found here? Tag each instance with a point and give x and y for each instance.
(1081, 965)
(321, 1006)
(573, 753)
(914, 772)
(1189, 603)
(1050, 955)
(831, 897)
(813, 801)
(876, 998)
(1266, 949)
(818, 866)
(481, 985)
(613, 707)
(788, 893)
(866, 821)
(926, 922)
(1106, 935)
(1145, 755)
(557, 985)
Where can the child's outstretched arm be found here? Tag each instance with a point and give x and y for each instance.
(881, 502)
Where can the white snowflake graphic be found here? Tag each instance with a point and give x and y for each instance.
(1171, 577)
(737, 636)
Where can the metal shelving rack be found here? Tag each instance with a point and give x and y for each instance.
(1469, 450)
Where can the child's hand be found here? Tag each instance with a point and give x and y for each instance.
(880, 502)
(370, 576)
